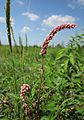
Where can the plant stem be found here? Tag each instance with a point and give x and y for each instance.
(40, 84)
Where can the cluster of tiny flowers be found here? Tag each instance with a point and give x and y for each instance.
(24, 88)
(52, 33)
(27, 110)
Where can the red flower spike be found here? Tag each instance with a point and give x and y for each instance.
(52, 34)
(24, 88)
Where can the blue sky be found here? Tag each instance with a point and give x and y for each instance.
(37, 17)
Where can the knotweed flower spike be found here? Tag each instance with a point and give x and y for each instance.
(24, 88)
(52, 33)
(27, 110)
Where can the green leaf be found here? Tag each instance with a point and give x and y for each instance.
(61, 54)
(3, 118)
(33, 91)
(71, 58)
(80, 110)
(12, 95)
(66, 64)
(45, 118)
(51, 106)
(48, 117)
(65, 101)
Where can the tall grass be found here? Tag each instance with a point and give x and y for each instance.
(61, 93)
(55, 80)
(8, 24)
(26, 40)
(15, 44)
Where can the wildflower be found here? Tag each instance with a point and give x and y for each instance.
(24, 88)
(27, 110)
(52, 33)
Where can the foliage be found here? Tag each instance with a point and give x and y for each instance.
(56, 81)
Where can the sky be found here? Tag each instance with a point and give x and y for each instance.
(37, 18)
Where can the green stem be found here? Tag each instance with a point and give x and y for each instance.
(40, 84)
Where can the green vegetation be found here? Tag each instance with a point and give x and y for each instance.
(56, 79)
(57, 82)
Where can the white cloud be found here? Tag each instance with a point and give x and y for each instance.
(25, 29)
(55, 20)
(2, 19)
(30, 16)
(20, 2)
(81, 2)
(71, 6)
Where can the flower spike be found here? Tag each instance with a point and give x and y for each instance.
(24, 88)
(52, 34)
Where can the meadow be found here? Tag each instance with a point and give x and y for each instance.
(41, 83)
(56, 82)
